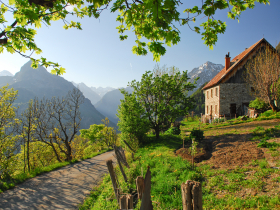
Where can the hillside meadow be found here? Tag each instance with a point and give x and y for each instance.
(237, 163)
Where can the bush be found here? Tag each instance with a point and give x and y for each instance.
(197, 134)
(173, 131)
(259, 104)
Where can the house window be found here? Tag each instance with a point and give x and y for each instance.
(207, 95)
(216, 91)
(207, 110)
(216, 109)
(211, 93)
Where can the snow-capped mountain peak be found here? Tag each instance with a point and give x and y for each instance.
(205, 72)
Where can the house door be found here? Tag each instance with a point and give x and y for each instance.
(232, 109)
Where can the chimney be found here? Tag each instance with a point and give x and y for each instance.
(227, 61)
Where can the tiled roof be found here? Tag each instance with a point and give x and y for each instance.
(235, 62)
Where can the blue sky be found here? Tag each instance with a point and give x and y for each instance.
(96, 56)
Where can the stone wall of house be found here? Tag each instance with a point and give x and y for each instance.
(212, 100)
(233, 93)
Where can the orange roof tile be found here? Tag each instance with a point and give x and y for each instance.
(235, 61)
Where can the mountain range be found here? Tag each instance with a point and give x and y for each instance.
(109, 103)
(32, 83)
(102, 91)
(100, 102)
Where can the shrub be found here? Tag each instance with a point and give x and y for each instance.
(197, 134)
(173, 131)
(259, 104)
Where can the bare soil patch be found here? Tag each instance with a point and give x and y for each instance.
(224, 151)
(230, 146)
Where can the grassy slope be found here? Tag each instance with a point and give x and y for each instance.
(169, 172)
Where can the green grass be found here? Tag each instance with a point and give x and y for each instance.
(19, 178)
(169, 172)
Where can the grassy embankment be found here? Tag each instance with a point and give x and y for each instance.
(21, 177)
(221, 187)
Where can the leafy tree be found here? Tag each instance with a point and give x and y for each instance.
(262, 75)
(132, 124)
(9, 143)
(153, 20)
(41, 155)
(163, 98)
(94, 133)
(109, 134)
(81, 147)
(259, 104)
(101, 133)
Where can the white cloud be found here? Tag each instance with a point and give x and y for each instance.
(70, 7)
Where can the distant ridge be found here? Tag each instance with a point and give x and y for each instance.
(5, 73)
(102, 91)
(40, 83)
(109, 103)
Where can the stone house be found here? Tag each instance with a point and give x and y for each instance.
(227, 93)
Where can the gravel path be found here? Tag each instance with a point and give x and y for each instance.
(64, 188)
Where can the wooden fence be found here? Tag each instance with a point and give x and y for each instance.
(191, 190)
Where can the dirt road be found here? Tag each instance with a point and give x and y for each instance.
(64, 188)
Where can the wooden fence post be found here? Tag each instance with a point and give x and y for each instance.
(122, 202)
(126, 202)
(186, 196)
(191, 195)
(146, 203)
(121, 168)
(109, 164)
(129, 201)
(129, 146)
(140, 186)
(119, 158)
(197, 196)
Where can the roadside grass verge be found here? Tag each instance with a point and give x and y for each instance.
(221, 189)
(19, 178)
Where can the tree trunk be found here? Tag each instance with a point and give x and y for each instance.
(272, 105)
(55, 152)
(69, 151)
(28, 140)
(157, 131)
